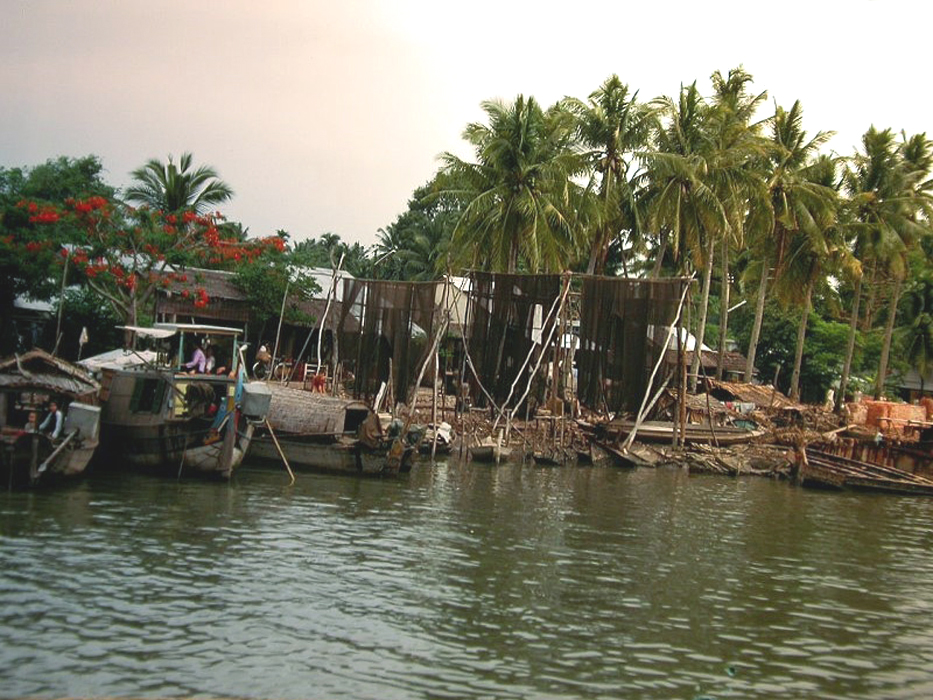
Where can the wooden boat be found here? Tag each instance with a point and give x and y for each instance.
(825, 470)
(443, 435)
(490, 451)
(318, 432)
(552, 456)
(592, 454)
(158, 418)
(28, 384)
(694, 433)
(635, 456)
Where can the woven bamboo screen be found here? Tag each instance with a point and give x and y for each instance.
(623, 326)
(396, 323)
(506, 314)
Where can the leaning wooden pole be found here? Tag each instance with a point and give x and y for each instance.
(437, 366)
(278, 331)
(657, 365)
(278, 447)
(559, 302)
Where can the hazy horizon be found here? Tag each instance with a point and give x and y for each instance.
(326, 117)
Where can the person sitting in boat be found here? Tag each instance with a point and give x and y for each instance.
(53, 422)
(319, 382)
(30, 426)
(210, 360)
(220, 367)
(198, 361)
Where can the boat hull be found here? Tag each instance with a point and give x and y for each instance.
(490, 454)
(344, 455)
(657, 431)
(176, 448)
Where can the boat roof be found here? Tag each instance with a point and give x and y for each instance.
(36, 370)
(166, 330)
(120, 359)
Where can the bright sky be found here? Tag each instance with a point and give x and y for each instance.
(325, 115)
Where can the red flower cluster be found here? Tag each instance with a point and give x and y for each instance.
(46, 214)
(202, 298)
(86, 206)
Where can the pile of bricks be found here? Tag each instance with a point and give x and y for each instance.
(891, 417)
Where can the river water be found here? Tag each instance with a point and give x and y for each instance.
(465, 581)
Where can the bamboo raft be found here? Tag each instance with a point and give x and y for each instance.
(825, 470)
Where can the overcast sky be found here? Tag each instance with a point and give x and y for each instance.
(325, 115)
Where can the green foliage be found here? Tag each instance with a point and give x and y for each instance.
(417, 244)
(519, 198)
(265, 280)
(175, 188)
(327, 252)
(83, 309)
(29, 264)
(823, 352)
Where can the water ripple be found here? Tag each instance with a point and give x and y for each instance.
(463, 581)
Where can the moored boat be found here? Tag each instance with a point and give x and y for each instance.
(822, 469)
(490, 451)
(158, 416)
(29, 384)
(694, 433)
(317, 432)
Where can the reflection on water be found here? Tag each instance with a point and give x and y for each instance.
(464, 580)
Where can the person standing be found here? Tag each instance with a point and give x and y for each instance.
(53, 422)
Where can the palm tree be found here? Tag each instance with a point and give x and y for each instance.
(681, 203)
(519, 201)
(738, 173)
(917, 335)
(703, 177)
(796, 202)
(813, 251)
(613, 126)
(170, 188)
(890, 200)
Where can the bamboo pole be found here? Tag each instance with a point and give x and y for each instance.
(643, 410)
(434, 404)
(561, 299)
(521, 371)
(278, 331)
(61, 306)
(281, 452)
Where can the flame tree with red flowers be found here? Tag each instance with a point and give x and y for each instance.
(126, 255)
(31, 237)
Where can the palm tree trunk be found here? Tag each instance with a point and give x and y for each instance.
(704, 309)
(801, 336)
(756, 326)
(870, 302)
(597, 262)
(850, 348)
(888, 335)
(662, 249)
(595, 253)
(724, 308)
(513, 255)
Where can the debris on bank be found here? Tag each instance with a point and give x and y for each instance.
(868, 436)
